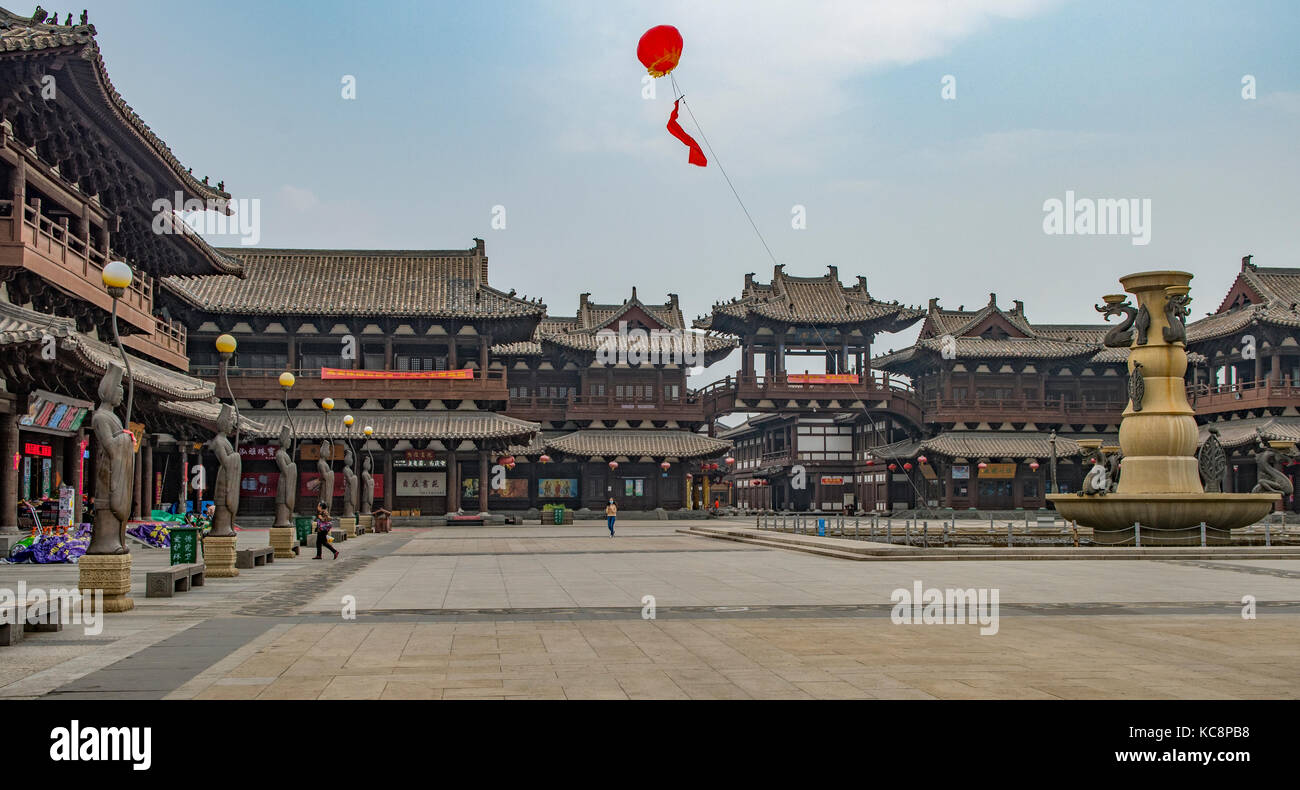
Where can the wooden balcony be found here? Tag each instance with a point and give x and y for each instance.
(264, 384)
(775, 393)
(166, 344)
(605, 407)
(1244, 395)
(1023, 410)
(69, 262)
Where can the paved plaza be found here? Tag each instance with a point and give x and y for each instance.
(561, 613)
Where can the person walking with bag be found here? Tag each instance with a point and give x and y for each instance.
(611, 513)
(323, 526)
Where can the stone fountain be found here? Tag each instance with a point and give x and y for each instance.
(1160, 487)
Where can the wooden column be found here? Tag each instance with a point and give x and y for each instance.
(452, 361)
(389, 481)
(1275, 370)
(8, 455)
(483, 456)
(1259, 369)
(388, 356)
(147, 487)
(453, 479)
(483, 357)
(18, 192)
(80, 469)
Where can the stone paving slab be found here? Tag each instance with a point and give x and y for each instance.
(1144, 657)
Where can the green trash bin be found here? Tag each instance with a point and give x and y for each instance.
(303, 525)
(185, 544)
(558, 515)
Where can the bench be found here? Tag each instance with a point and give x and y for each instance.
(471, 520)
(40, 616)
(252, 558)
(339, 535)
(171, 580)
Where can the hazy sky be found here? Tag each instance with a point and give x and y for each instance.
(836, 107)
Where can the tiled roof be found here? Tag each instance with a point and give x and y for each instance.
(1278, 288)
(1241, 433)
(205, 413)
(403, 424)
(434, 283)
(19, 34)
(582, 332)
(637, 443)
(19, 325)
(1030, 341)
(987, 444)
(810, 300)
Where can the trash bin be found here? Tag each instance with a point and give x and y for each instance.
(382, 523)
(558, 515)
(184, 544)
(302, 526)
(821, 527)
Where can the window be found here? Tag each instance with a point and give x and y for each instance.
(671, 392)
(598, 390)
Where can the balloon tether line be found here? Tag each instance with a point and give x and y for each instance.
(682, 98)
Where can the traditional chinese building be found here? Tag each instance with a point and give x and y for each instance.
(398, 339)
(82, 173)
(1247, 383)
(608, 385)
(798, 450)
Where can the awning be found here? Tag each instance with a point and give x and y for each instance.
(55, 414)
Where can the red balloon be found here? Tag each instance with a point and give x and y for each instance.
(659, 49)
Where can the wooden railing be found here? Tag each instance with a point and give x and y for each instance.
(56, 242)
(1255, 393)
(263, 383)
(976, 408)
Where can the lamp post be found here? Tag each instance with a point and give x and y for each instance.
(287, 380)
(117, 278)
(226, 346)
(1052, 441)
(328, 405)
(368, 431)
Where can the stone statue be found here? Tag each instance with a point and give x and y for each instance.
(1142, 324)
(225, 492)
(1176, 311)
(1137, 386)
(367, 485)
(1113, 468)
(1120, 335)
(1096, 481)
(1269, 466)
(114, 468)
(1212, 463)
(326, 470)
(349, 483)
(286, 492)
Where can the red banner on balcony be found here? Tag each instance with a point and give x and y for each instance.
(822, 378)
(390, 375)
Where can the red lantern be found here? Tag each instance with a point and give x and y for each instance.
(983, 465)
(664, 466)
(546, 459)
(871, 462)
(907, 466)
(920, 459)
(730, 460)
(659, 49)
(613, 465)
(892, 467)
(1033, 465)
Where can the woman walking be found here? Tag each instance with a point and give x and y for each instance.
(611, 512)
(323, 525)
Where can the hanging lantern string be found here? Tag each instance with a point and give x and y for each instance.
(714, 157)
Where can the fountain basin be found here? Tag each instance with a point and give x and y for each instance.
(1179, 515)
